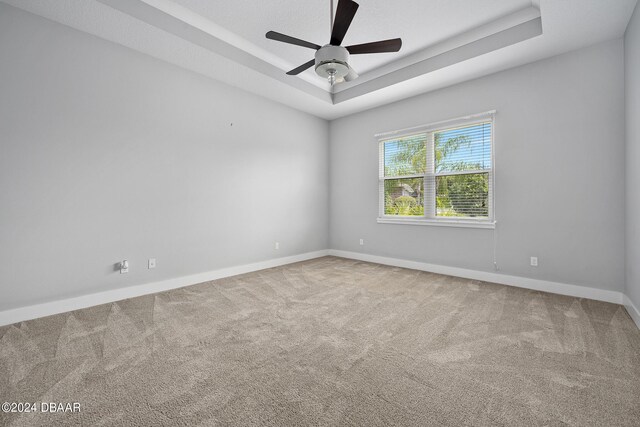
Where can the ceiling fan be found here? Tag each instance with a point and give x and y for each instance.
(332, 60)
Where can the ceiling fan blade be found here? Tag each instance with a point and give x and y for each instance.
(392, 45)
(291, 40)
(301, 68)
(345, 12)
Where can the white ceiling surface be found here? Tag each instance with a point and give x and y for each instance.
(422, 24)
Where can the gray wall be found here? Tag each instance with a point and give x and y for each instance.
(559, 181)
(108, 154)
(632, 156)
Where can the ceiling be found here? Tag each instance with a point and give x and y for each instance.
(420, 23)
(444, 41)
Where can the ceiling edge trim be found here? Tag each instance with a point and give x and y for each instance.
(490, 43)
(156, 17)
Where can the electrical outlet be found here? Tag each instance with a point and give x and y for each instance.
(152, 263)
(534, 261)
(124, 267)
(361, 242)
(277, 246)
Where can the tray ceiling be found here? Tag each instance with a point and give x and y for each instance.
(444, 41)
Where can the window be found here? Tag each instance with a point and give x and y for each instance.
(439, 174)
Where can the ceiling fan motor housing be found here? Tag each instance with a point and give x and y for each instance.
(332, 60)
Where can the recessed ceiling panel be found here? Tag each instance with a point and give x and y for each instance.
(420, 23)
(225, 40)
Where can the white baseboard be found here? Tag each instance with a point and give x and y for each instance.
(485, 276)
(20, 314)
(632, 310)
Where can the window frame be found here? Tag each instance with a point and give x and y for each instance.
(430, 218)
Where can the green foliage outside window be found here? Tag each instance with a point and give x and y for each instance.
(456, 195)
(462, 195)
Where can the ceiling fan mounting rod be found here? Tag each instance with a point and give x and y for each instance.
(331, 16)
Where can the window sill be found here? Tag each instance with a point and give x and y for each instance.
(462, 223)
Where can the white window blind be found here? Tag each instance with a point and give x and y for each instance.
(439, 173)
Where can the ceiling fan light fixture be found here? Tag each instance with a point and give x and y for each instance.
(332, 71)
(332, 63)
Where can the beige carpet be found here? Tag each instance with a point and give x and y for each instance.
(330, 342)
